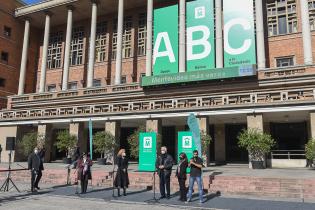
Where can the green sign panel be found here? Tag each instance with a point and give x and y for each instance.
(200, 35)
(198, 76)
(186, 144)
(147, 151)
(239, 34)
(165, 51)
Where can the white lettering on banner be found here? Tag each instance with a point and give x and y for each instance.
(203, 41)
(246, 44)
(169, 49)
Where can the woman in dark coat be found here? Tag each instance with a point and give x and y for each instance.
(181, 175)
(84, 171)
(121, 179)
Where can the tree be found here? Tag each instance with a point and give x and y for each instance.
(310, 151)
(104, 142)
(30, 141)
(66, 142)
(205, 142)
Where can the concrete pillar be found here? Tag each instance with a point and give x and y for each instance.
(204, 127)
(219, 34)
(77, 129)
(24, 57)
(113, 127)
(182, 36)
(219, 135)
(312, 125)
(66, 61)
(90, 73)
(260, 36)
(42, 82)
(120, 25)
(255, 121)
(44, 133)
(154, 125)
(148, 71)
(306, 33)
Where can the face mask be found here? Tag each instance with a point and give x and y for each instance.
(163, 152)
(36, 151)
(124, 154)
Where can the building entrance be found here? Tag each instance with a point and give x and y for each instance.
(233, 152)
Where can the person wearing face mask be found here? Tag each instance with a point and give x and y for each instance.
(195, 165)
(35, 164)
(121, 179)
(181, 175)
(164, 164)
(84, 171)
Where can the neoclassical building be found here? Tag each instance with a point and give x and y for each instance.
(94, 56)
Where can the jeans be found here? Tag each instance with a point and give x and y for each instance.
(165, 182)
(191, 186)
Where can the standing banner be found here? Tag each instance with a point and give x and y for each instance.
(186, 144)
(147, 151)
(193, 124)
(91, 138)
(165, 51)
(239, 33)
(200, 35)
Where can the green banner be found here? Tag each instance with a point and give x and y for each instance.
(212, 74)
(147, 151)
(200, 35)
(186, 144)
(165, 51)
(239, 34)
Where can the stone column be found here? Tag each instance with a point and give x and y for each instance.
(77, 129)
(120, 25)
(204, 127)
(261, 57)
(154, 125)
(219, 34)
(66, 61)
(148, 71)
(42, 82)
(306, 33)
(113, 127)
(182, 36)
(219, 135)
(90, 73)
(24, 57)
(312, 125)
(44, 133)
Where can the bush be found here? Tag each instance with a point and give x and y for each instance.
(29, 142)
(310, 149)
(256, 143)
(104, 142)
(205, 142)
(66, 142)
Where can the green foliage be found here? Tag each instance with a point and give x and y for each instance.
(205, 142)
(310, 149)
(133, 141)
(29, 142)
(257, 143)
(104, 142)
(66, 142)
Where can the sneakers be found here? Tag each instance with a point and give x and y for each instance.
(188, 200)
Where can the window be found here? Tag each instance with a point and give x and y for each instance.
(285, 61)
(114, 41)
(97, 83)
(54, 50)
(76, 55)
(51, 88)
(2, 82)
(142, 34)
(101, 42)
(282, 18)
(123, 79)
(4, 57)
(311, 7)
(7, 31)
(72, 85)
(127, 37)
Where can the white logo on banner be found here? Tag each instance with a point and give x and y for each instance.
(187, 142)
(147, 142)
(200, 12)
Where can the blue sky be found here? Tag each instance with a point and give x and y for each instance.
(31, 1)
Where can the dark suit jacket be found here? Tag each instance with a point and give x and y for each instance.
(168, 164)
(35, 162)
(181, 173)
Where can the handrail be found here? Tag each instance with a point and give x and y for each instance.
(288, 153)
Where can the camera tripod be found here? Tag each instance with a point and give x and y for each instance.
(6, 184)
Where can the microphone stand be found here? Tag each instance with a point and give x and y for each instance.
(5, 186)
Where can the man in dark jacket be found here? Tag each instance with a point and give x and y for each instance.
(164, 164)
(35, 164)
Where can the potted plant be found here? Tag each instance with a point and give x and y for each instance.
(133, 141)
(257, 144)
(66, 142)
(205, 142)
(104, 143)
(310, 152)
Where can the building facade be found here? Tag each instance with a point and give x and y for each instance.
(93, 54)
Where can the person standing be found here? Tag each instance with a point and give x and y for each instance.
(35, 164)
(84, 171)
(164, 164)
(181, 175)
(122, 179)
(195, 165)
